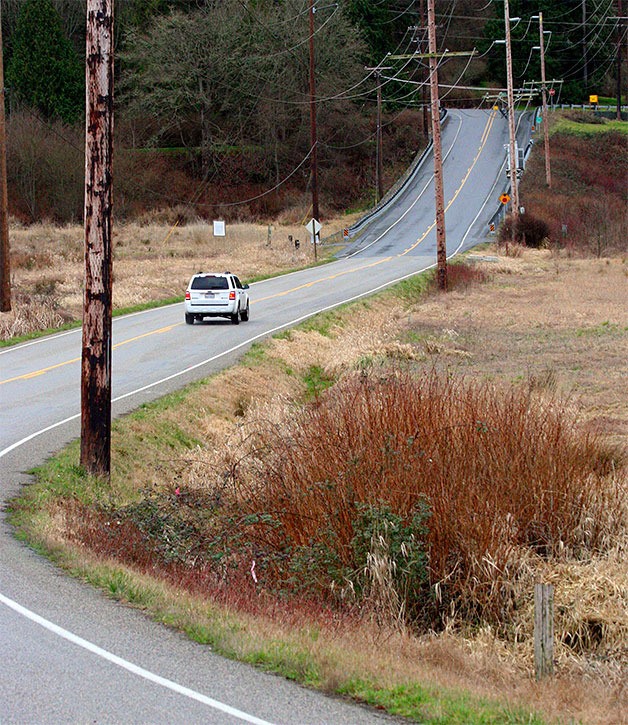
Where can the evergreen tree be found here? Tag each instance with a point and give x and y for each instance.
(382, 25)
(580, 54)
(44, 70)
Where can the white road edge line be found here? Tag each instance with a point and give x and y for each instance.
(430, 181)
(104, 653)
(77, 330)
(489, 196)
(189, 369)
(125, 664)
(69, 636)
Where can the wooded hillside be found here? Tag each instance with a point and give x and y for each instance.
(213, 97)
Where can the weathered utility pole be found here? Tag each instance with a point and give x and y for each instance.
(423, 85)
(514, 181)
(620, 45)
(585, 60)
(96, 352)
(548, 173)
(441, 242)
(379, 164)
(5, 263)
(313, 134)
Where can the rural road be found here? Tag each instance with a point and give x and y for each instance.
(69, 654)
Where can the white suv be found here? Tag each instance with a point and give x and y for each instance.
(216, 294)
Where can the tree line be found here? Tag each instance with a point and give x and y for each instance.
(225, 82)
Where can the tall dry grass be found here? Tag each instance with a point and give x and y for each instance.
(474, 475)
(154, 259)
(561, 327)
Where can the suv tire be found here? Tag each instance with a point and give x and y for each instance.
(235, 318)
(244, 315)
(189, 319)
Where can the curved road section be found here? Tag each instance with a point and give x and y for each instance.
(68, 653)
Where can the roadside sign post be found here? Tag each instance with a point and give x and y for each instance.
(314, 227)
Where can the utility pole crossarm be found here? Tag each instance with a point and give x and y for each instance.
(445, 54)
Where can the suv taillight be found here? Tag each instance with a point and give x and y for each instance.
(232, 295)
(187, 295)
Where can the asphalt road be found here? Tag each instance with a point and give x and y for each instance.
(69, 654)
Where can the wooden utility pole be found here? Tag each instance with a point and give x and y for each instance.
(620, 45)
(379, 164)
(441, 242)
(96, 352)
(585, 60)
(423, 85)
(548, 173)
(313, 134)
(514, 181)
(5, 263)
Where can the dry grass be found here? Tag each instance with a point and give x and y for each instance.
(47, 266)
(554, 325)
(550, 321)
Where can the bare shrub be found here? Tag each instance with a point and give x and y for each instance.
(45, 168)
(530, 231)
(499, 471)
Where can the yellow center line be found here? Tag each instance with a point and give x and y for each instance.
(325, 279)
(36, 373)
(483, 140)
(383, 260)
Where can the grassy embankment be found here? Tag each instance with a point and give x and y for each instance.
(424, 459)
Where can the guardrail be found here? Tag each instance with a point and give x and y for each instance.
(397, 187)
(500, 214)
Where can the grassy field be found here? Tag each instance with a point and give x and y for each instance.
(47, 265)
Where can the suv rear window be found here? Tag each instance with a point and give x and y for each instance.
(210, 282)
